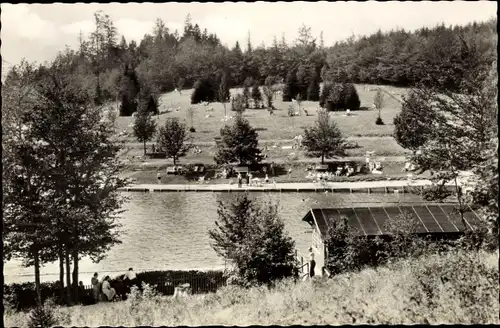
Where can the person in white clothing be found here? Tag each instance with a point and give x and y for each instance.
(130, 275)
(109, 291)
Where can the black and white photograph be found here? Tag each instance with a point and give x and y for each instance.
(249, 163)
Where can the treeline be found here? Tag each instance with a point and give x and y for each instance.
(166, 60)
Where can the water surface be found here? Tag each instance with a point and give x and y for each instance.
(170, 230)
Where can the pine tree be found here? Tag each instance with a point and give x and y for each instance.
(314, 86)
(290, 88)
(256, 94)
(252, 237)
(302, 82)
(351, 98)
(246, 90)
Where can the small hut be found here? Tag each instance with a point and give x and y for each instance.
(440, 220)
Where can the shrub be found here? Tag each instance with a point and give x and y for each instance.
(351, 98)
(23, 295)
(204, 90)
(42, 316)
(239, 103)
(192, 129)
(379, 121)
(459, 279)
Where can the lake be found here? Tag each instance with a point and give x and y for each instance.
(170, 231)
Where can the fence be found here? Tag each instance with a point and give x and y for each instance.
(302, 264)
(23, 295)
(199, 283)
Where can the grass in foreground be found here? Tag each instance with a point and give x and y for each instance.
(456, 287)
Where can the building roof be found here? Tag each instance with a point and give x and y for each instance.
(369, 221)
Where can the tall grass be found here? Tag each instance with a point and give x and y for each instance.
(455, 287)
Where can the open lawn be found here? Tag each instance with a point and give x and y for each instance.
(279, 125)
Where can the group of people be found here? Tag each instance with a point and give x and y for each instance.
(239, 179)
(104, 286)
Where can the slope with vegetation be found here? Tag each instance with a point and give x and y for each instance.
(457, 287)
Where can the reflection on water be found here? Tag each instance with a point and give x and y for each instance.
(169, 230)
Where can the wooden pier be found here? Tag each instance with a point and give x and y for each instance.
(396, 186)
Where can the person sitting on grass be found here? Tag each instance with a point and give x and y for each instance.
(107, 290)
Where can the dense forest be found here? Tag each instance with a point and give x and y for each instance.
(165, 60)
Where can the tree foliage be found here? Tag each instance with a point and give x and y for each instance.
(61, 159)
(252, 238)
(413, 125)
(164, 57)
(339, 96)
(324, 139)
(144, 127)
(462, 125)
(239, 143)
(173, 139)
(238, 104)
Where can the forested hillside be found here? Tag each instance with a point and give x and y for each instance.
(165, 59)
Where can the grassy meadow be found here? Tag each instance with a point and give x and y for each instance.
(280, 125)
(457, 287)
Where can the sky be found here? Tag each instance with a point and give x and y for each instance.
(37, 32)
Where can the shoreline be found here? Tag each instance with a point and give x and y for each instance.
(383, 186)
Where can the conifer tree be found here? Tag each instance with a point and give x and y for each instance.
(256, 94)
(314, 86)
(253, 238)
(290, 88)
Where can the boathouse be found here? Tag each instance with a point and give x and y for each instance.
(441, 220)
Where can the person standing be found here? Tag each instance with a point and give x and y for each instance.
(312, 263)
(249, 178)
(158, 177)
(239, 180)
(95, 287)
(266, 179)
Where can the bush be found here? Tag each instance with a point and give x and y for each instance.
(204, 90)
(379, 121)
(238, 103)
(351, 98)
(23, 296)
(192, 129)
(42, 316)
